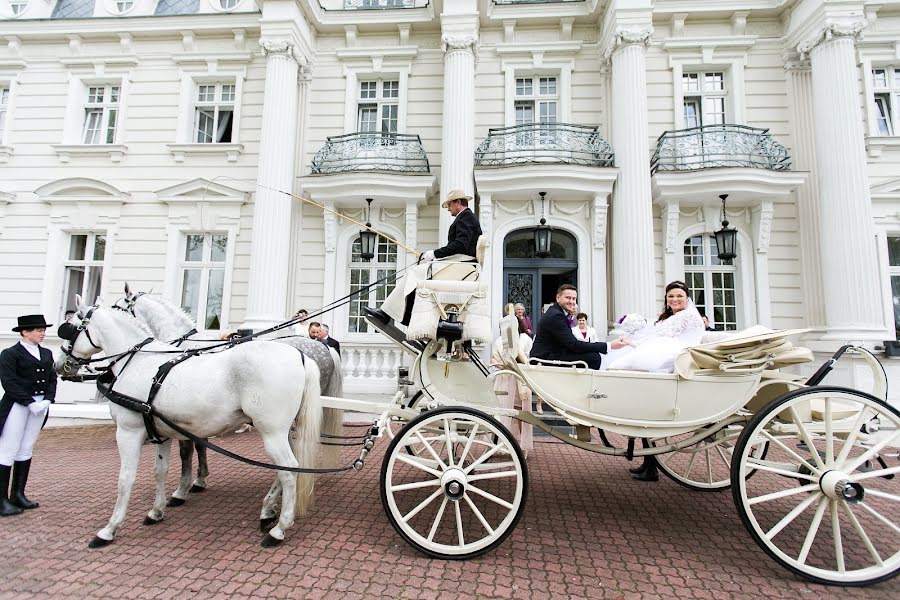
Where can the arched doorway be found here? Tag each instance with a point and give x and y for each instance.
(531, 280)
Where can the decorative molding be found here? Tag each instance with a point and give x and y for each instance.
(628, 36)
(410, 224)
(601, 216)
(527, 207)
(65, 152)
(557, 207)
(181, 151)
(672, 215)
(330, 226)
(486, 217)
(762, 215)
(852, 29)
(459, 41)
(5, 153)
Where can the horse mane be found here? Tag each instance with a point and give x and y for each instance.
(181, 317)
(131, 320)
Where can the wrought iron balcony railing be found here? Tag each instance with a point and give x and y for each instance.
(378, 4)
(712, 146)
(544, 143)
(365, 151)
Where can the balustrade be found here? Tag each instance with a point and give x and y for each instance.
(711, 146)
(544, 143)
(371, 151)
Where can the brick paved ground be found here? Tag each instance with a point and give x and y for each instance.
(589, 531)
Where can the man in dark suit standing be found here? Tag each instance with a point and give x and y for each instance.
(462, 241)
(328, 341)
(554, 340)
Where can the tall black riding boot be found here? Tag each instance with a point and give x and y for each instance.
(7, 508)
(19, 479)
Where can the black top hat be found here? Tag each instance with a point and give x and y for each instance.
(32, 322)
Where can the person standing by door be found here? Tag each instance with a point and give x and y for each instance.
(29, 387)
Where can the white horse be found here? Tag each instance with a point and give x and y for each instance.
(215, 393)
(167, 321)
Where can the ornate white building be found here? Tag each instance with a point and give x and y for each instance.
(153, 141)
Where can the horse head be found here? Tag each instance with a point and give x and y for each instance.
(81, 335)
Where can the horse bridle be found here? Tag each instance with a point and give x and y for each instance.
(70, 333)
(129, 303)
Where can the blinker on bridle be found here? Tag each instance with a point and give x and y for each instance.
(70, 333)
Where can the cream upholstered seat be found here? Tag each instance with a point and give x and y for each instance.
(463, 271)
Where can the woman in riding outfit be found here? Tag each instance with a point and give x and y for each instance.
(29, 386)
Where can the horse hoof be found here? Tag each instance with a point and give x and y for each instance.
(270, 542)
(148, 520)
(98, 542)
(196, 489)
(173, 501)
(266, 524)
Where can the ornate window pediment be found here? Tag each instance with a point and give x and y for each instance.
(203, 205)
(80, 189)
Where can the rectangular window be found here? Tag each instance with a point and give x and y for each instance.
(704, 98)
(4, 107)
(711, 281)
(362, 274)
(84, 268)
(101, 113)
(214, 113)
(537, 100)
(894, 261)
(886, 81)
(203, 277)
(378, 106)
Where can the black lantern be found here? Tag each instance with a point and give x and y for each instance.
(367, 237)
(542, 234)
(726, 237)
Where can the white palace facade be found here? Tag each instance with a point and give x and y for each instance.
(152, 142)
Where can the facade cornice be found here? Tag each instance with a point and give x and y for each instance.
(562, 49)
(528, 178)
(383, 53)
(744, 185)
(735, 42)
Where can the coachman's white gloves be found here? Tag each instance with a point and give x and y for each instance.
(428, 256)
(39, 407)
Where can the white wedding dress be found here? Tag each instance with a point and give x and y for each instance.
(657, 345)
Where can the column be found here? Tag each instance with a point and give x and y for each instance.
(458, 143)
(849, 277)
(632, 212)
(271, 242)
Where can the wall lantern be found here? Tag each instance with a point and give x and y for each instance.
(542, 234)
(726, 237)
(367, 237)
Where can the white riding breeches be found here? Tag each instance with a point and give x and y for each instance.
(20, 432)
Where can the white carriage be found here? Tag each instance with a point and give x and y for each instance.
(805, 462)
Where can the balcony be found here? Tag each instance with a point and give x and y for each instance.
(378, 4)
(393, 152)
(715, 146)
(544, 143)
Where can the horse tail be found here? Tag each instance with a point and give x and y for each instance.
(333, 418)
(306, 439)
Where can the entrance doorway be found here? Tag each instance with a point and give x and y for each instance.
(531, 280)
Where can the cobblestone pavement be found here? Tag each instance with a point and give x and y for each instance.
(589, 531)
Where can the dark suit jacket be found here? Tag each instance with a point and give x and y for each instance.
(330, 341)
(554, 340)
(23, 376)
(462, 236)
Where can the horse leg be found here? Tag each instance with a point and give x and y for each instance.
(202, 470)
(129, 445)
(186, 453)
(279, 449)
(268, 514)
(161, 469)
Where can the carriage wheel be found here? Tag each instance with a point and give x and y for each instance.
(706, 465)
(394, 426)
(814, 506)
(462, 490)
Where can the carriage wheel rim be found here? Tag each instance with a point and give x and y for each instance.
(835, 501)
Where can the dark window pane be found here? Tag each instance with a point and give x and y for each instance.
(77, 247)
(894, 251)
(99, 247)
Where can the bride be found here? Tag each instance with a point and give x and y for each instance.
(654, 347)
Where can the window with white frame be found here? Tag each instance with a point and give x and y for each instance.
(704, 95)
(101, 114)
(894, 262)
(4, 108)
(84, 268)
(214, 112)
(362, 274)
(378, 106)
(886, 87)
(202, 277)
(537, 100)
(711, 281)
(18, 6)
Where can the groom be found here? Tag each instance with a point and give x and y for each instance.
(554, 340)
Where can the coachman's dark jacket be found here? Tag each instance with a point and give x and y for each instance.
(24, 376)
(462, 236)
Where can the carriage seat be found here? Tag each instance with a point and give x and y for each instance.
(441, 306)
(764, 349)
(462, 271)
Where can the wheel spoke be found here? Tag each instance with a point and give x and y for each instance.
(813, 530)
(437, 519)
(783, 494)
(865, 506)
(788, 518)
(804, 435)
(465, 453)
(776, 468)
(836, 533)
(422, 505)
(880, 494)
(490, 497)
(829, 434)
(862, 534)
(870, 474)
(709, 477)
(784, 447)
(690, 466)
(481, 459)
(478, 514)
(417, 462)
(870, 453)
(459, 525)
(449, 435)
(413, 486)
(495, 475)
(431, 450)
(725, 459)
(854, 433)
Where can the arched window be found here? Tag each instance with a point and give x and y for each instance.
(520, 245)
(362, 274)
(712, 281)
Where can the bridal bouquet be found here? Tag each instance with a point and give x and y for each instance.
(631, 323)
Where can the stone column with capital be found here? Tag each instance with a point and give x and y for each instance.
(458, 142)
(632, 211)
(267, 295)
(852, 289)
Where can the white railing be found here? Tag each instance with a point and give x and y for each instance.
(371, 366)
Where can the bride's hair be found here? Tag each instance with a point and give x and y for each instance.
(667, 312)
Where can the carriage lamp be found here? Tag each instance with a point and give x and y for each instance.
(542, 234)
(726, 237)
(367, 237)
